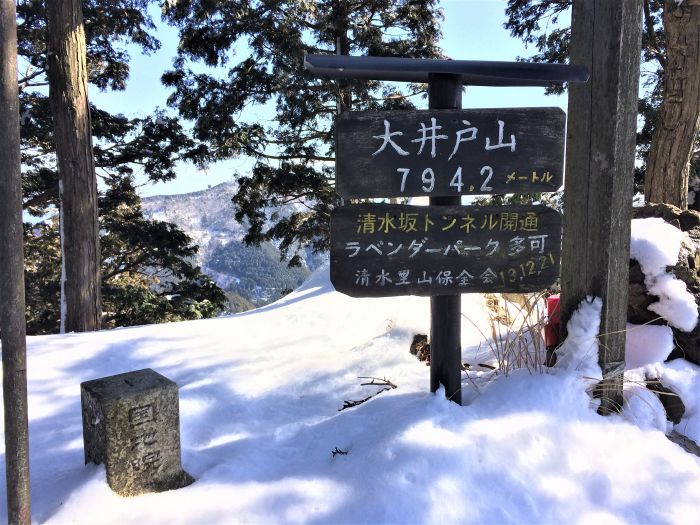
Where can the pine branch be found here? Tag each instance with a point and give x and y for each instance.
(24, 82)
(41, 198)
(653, 42)
(255, 153)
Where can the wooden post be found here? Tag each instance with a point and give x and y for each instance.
(445, 92)
(605, 37)
(12, 320)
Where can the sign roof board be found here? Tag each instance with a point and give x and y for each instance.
(440, 153)
(383, 250)
(473, 72)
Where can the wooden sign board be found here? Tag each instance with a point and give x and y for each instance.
(382, 250)
(440, 153)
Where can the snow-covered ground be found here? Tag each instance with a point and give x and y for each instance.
(259, 399)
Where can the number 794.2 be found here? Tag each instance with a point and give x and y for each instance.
(428, 179)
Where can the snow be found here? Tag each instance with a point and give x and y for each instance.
(646, 344)
(643, 408)
(655, 244)
(260, 394)
(675, 303)
(683, 378)
(259, 399)
(579, 352)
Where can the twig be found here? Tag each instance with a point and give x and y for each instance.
(379, 382)
(374, 381)
(354, 403)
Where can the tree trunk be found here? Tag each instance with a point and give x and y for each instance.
(12, 320)
(81, 300)
(668, 164)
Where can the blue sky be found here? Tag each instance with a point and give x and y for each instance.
(472, 30)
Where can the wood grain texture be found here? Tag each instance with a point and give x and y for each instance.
(12, 303)
(606, 36)
(383, 250)
(373, 149)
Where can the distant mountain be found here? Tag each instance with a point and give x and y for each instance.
(206, 216)
(252, 276)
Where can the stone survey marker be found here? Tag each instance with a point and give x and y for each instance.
(131, 423)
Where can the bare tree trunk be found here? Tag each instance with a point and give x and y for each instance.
(668, 164)
(81, 299)
(12, 319)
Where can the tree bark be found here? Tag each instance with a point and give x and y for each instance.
(668, 164)
(81, 299)
(12, 307)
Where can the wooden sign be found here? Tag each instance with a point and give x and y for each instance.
(382, 250)
(439, 153)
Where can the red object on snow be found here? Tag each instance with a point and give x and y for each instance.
(551, 329)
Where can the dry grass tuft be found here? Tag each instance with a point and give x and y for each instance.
(515, 339)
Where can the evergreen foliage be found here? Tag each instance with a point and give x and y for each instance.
(236, 303)
(253, 53)
(536, 22)
(42, 271)
(259, 275)
(147, 276)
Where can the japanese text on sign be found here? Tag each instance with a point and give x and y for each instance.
(382, 250)
(449, 152)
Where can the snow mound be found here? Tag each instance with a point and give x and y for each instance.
(655, 244)
(643, 408)
(646, 344)
(683, 377)
(260, 394)
(579, 352)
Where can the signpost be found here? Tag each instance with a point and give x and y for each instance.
(445, 92)
(439, 153)
(382, 250)
(606, 37)
(445, 249)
